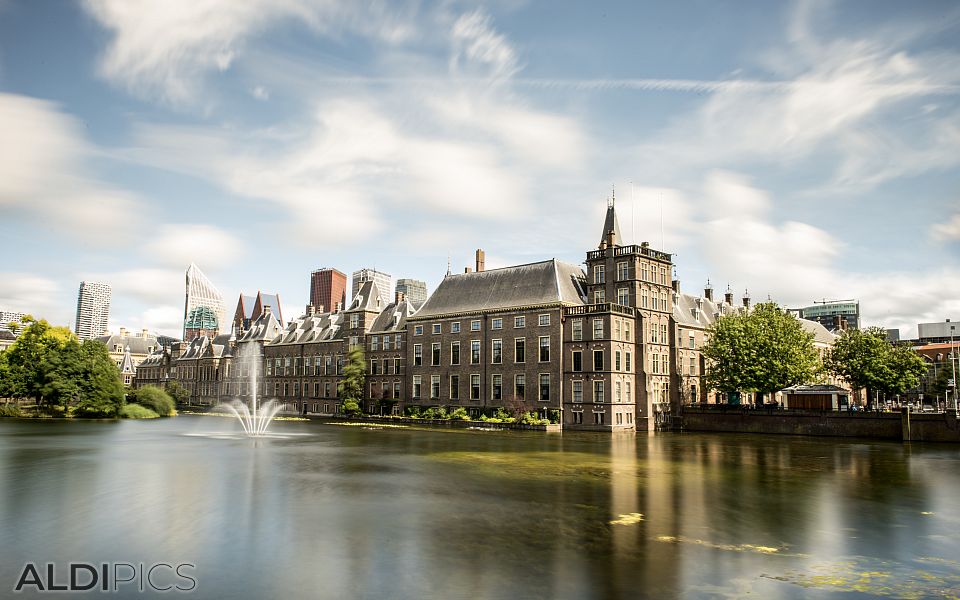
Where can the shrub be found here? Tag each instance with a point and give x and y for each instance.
(435, 412)
(503, 415)
(413, 412)
(10, 410)
(459, 414)
(529, 418)
(155, 399)
(351, 408)
(135, 411)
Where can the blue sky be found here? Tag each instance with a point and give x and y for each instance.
(801, 150)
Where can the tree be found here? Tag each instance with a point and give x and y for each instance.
(866, 360)
(765, 350)
(35, 365)
(101, 391)
(153, 398)
(177, 392)
(352, 383)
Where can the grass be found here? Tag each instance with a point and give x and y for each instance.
(135, 411)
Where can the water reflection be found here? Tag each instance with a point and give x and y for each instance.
(336, 512)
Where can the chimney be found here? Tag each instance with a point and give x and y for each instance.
(728, 296)
(400, 297)
(144, 333)
(338, 307)
(310, 310)
(708, 291)
(676, 286)
(467, 270)
(266, 309)
(746, 299)
(123, 332)
(480, 260)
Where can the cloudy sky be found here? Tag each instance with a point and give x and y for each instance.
(803, 150)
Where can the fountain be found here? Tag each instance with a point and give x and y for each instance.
(253, 418)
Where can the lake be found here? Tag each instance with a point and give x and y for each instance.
(334, 511)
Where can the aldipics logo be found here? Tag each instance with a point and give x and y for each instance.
(107, 577)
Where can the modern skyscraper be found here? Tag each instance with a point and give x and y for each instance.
(200, 291)
(93, 309)
(834, 315)
(414, 289)
(384, 283)
(328, 289)
(7, 317)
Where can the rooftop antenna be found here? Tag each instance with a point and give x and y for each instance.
(661, 222)
(448, 264)
(633, 216)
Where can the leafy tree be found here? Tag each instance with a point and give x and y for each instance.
(866, 360)
(6, 377)
(352, 383)
(765, 350)
(35, 367)
(153, 398)
(100, 383)
(176, 391)
(939, 386)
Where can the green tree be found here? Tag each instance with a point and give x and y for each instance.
(35, 364)
(352, 383)
(153, 398)
(101, 391)
(765, 350)
(176, 391)
(867, 361)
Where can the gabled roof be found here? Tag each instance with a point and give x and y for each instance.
(695, 311)
(136, 344)
(324, 327)
(610, 224)
(126, 365)
(534, 284)
(367, 298)
(394, 316)
(265, 328)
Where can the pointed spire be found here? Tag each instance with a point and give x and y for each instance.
(448, 265)
(611, 228)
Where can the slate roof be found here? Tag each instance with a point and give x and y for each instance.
(696, 311)
(367, 298)
(394, 316)
(135, 343)
(611, 223)
(264, 329)
(126, 365)
(323, 327)
(821, 334)
(534, 284)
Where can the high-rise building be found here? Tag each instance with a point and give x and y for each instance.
(93, 309)
(200, 291)
(7, 317)
(413, 289)
(383, 280)
(328, 290)
(834, 315)
(938, 333)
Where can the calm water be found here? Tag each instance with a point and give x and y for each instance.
(346, 512)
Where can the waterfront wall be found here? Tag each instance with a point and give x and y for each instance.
(905, 426)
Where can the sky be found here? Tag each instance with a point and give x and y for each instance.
(800, 151)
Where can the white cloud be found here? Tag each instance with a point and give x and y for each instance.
(146, 285)
(43, 174)
(948, 231)
(260, 93)
(479, 49)
(32, 294)
(163, 50)
(182, 243)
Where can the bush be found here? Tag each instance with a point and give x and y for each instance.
(529, 418)
(155, 399)
(351, 408)
(459, 414)
(10, 410)
(135, 411)
(435, 412)
(503, 416)
(413, 412)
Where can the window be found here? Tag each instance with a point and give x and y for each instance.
(475, 387)
(396, 390)
(496, 323)
(578, 391)
(455, 327)
(623, 296)
(578, 417)
(520, 385)
(643, 270)
(435, 354)
(544, 387)
(519, 350)
(577, 330)
(643, 298)
(375, 342)
(354, 321)
(626, 331)
(316, 392)
(544, 348)
(396, 366)
(434, 386)
(628, 362)
(417, 382)
(386, 366)
(544, 320)
(619, 418)
(497, 352)
(623, 272)
(326, 389)
(656, 363)
(417, 355)
(617, 392)
(397, 338)
(418, 330)
(454, 387)
(598, 360)
(519, 322)
(497, 387)
(354, 341)
(577, 361)
(474, 352)
(598, 392)
(598, 275)
(373, 366)
(598, 297)
(598, 329)
(386, 342)
(616, 363)
(693, 365)
(455, 353)
(693, 341)
(628, 399)
(436, 328)
(474, 325)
